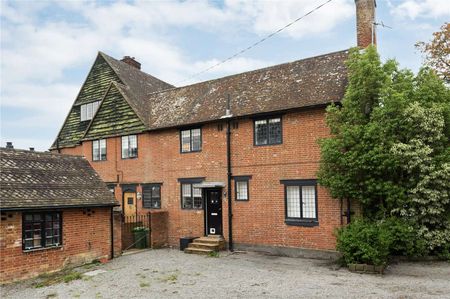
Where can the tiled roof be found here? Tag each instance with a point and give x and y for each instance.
(104, 71)
(45, 180)
(304, 83)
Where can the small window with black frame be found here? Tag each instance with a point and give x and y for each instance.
(191, 140)
(129, 147)
(191, 197)
(301, 202)
(151, 196)
(99, 150)
(241, 187)
(268, 131)
(41, 230)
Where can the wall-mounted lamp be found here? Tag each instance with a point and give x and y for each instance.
(139, 195)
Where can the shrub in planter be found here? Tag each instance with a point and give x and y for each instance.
(373, 242)
(361, 242)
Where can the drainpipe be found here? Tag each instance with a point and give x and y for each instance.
(112, 232)
(228, 116)
(230, 212)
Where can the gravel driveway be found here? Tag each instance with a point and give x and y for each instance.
(169, 273)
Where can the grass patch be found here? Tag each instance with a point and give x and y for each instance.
(72, 276)
(92, 264)
(213, 254)
(51, 295)
(144, 284)
(49, 279)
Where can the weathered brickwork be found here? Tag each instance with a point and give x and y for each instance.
(86, 236)
(261, 220)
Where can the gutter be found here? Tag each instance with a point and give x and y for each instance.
(61, 207)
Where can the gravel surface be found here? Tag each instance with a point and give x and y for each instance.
(169, 273)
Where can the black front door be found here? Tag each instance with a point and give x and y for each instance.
(213, 211)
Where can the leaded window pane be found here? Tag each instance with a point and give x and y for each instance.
(102, 149)
(186, 196)
(41, 230)
(274, 131)
(133, 147)
(196, 139)
(260, 132)
(186, 141)
(242, 190)
(83, 115)
(198, 201)
(125, 147)
(293, 201)
(309, 201)
(95, 150)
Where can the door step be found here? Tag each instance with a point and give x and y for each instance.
(206, 245)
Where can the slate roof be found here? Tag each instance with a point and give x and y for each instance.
(30, 180)
(304, 83)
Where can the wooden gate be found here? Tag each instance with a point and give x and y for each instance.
(129, 225)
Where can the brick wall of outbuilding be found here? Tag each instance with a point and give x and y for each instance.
(261, 220)
(86, 236)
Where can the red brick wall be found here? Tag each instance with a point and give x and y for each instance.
(261, 219)
(85, 238)
(158, 224)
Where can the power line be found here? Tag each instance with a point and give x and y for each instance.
(255, 44)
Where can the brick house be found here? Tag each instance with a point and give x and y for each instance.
(55, 212)
(235, 156)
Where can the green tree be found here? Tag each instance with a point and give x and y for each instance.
(389, 148)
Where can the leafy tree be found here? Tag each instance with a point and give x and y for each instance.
(389, 148)
(437, 52)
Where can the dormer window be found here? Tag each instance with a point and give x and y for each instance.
(87, 111)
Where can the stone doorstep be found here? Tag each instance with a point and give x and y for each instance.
(214, 247)
(198, 251)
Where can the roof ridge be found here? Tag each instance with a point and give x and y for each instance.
(42, 153)
(106, 56)
(249, 72)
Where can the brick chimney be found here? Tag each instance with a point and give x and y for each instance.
(131, 61)
(365, 17)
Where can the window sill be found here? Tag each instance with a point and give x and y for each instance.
(129, 158)
(298, 222)
(95, 161)
(191, 152)
(41, 249)
(271, 144)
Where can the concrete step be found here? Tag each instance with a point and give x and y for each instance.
(198, 251)
(208, 240)
(214, 247)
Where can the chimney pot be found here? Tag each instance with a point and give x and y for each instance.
(131, 61)
(9, 144)
(31, 149)
(365, 19)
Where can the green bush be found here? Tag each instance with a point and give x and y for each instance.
(361, 242)
(373, 242)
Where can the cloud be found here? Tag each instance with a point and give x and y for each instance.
(269, 16)
(413, 9)
(44, 43)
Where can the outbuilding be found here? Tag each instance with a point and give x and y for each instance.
(55, 212)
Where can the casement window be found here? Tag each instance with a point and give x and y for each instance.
(301, 202)
(87, 111)
(151, 196)
(191, 198)
(268, 131)
(99, 150)
(40, 230)
(129, 146)
(191, 140)
(241, 187)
